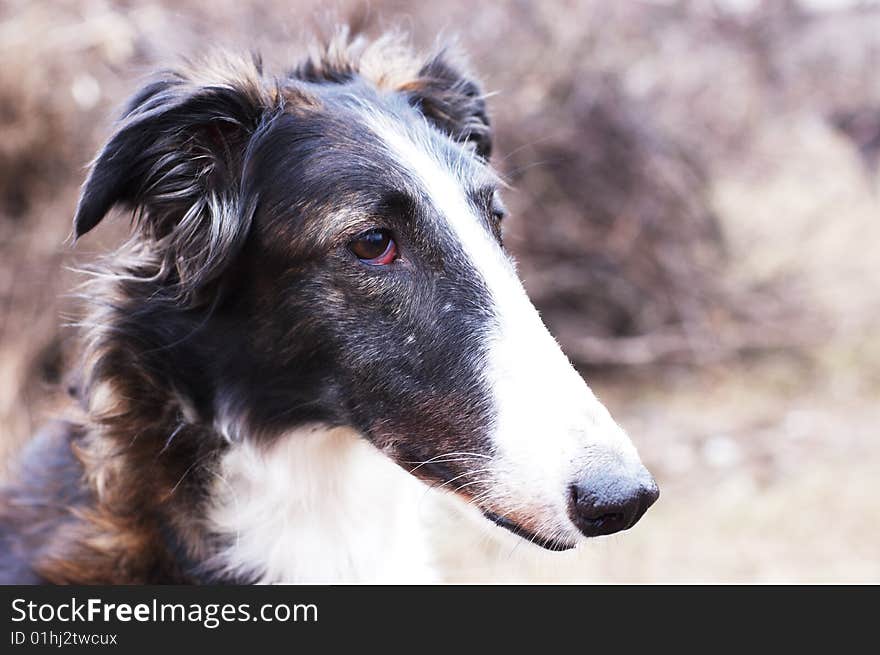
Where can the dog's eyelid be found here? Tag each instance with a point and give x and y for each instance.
(357, 227)
(498, 209)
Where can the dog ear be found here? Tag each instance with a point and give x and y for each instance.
(176, 159)
(452, 101)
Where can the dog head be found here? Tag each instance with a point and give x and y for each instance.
(328, 248)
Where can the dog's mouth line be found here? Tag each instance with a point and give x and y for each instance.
(528, 535)
(437, 472)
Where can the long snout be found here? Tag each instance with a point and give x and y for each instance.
(558, 466)
(563, 465)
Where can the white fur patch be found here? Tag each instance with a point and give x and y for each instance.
(321, 506)
(550, 427)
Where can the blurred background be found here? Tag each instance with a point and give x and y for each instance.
(694, 207)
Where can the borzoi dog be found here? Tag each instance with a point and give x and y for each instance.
(315, 317)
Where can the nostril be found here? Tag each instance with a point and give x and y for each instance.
(604, 521)
(589, 511)
(601, 507)
(650, 494)
(647, 496)
(610, 516)
(574, 493)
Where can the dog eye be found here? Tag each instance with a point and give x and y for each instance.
(498, 211)
(375, 247)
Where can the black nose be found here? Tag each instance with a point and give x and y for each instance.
(606, 505)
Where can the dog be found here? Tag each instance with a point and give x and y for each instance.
(314, 320)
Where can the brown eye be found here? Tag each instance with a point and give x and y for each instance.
(497, 210)
(375, 247)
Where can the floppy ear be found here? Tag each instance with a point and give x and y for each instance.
(176, 159)
(453, 102)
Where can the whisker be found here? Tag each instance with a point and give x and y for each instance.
(467, 484)
(440, 459)
(170, 438)
(457, 477)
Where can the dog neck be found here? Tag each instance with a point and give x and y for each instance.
(313, 504)
(318, 505)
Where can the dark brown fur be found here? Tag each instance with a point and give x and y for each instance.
(115, 494)
(108, 499)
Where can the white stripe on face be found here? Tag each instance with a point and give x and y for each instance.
(550, 429)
